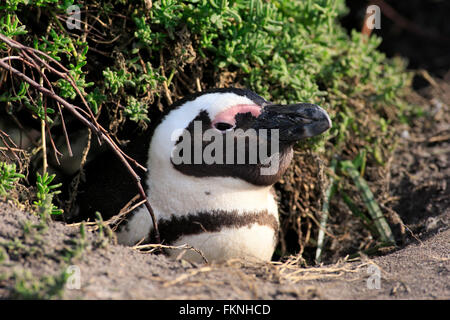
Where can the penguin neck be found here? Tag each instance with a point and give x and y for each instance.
(173, 193)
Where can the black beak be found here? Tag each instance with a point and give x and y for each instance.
(295, 121)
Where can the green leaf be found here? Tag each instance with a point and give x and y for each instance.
(370, 202)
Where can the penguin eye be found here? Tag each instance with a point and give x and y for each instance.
(223, 126)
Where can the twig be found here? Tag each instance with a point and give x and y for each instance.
(91, 27)
(426, 75)
(162, 246)
(187, 275)
(197, 82)
(66, 135)
(7, 147)
(324, 217)
(101, 132)
(117, 220)
(12, 149)
(45, 124)
(44, 147)
(165, 86)
(43, 134)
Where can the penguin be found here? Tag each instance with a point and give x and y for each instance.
(211, 164)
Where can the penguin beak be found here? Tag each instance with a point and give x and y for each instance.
(295, 121)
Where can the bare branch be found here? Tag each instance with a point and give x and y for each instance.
(94, 126)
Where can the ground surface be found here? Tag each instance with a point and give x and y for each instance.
(418, 271)
(33, 256)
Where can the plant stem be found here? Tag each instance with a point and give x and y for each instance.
(72, 47)
(324, 217)
(43, 138)
(44, 148)
(372, 206)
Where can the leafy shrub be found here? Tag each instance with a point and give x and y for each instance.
(133, 58)
(8, 177)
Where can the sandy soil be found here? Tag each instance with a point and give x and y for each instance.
(108, 271)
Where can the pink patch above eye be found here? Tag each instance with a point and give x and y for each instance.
(228, 116)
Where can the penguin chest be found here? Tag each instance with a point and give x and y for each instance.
(253, 242)
(225, 224)
(223, 235)
(219, 235)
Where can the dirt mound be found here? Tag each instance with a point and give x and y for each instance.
(34, 261)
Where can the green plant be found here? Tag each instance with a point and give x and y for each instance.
(78, 245)
(105, 233)
(374, 210)
(136, 111)
(3, 255)
(45, 193)
(8, 177)
(14, 247)
(28, 286)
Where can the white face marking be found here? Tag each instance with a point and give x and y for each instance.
(228, 115)
(179, 119)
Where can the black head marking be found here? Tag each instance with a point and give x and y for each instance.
(293, 122)
(248, 171)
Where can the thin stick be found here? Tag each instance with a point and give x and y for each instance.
(7, 147)
(372, 206)
(12, 149)
(325, 209)
(43, 138)
(162, 246)
(44, 77)
(165, 86)
(103, 136)
(44, 148)
(199, 86)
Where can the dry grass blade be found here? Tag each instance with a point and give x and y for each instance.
(154, 247)
(185, 276)
(290, 270)
(115, 221)
(369, 200)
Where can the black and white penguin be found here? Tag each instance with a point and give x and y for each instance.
(226, 207)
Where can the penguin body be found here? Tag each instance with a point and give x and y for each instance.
(226, 209)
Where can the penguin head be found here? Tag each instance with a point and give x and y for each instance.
(232, 133)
